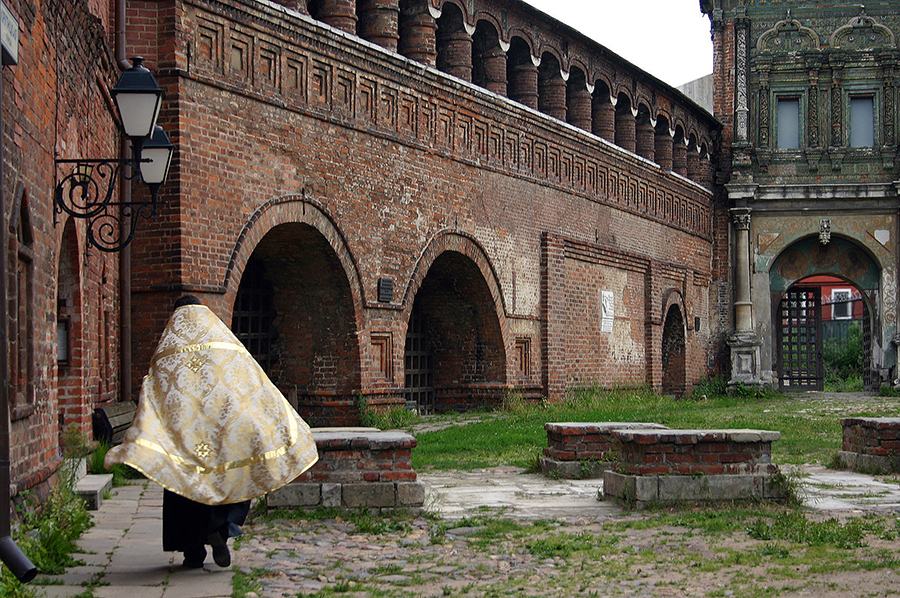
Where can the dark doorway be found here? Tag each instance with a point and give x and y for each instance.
(455, 351)
(254, 314)
(673, 346)
(295, 312)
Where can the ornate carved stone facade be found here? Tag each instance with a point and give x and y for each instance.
(828, 75)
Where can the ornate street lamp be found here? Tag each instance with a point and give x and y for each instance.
(87, 191)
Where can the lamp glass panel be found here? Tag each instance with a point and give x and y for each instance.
(156, 170)
(138, 112)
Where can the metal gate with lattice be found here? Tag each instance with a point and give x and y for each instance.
(800, 364)
(418, 364)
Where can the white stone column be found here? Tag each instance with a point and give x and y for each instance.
(743, 305)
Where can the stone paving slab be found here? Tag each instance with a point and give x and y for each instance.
(830, 490)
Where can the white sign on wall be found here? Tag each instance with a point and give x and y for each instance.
(607, 311)
(9, 35)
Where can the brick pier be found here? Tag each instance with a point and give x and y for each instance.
(584, 450)
(358, 468)
(871, 444)
(660, 466)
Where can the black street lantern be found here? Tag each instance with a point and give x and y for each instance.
(138, 99)
(87, 190)
(156, 157)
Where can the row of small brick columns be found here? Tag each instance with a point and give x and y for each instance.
(378, 21)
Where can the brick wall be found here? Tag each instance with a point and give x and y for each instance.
(693, 452)
(357, 469)
(871, 436)
(393, 166)
(55, 105)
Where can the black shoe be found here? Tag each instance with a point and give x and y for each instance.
(188, 564)
(194, 557)
(221, 556)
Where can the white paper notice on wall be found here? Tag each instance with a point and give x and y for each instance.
(607, 311)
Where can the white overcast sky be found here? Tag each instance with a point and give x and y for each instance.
(669, 39)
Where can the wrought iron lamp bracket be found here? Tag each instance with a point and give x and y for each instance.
(88, 192)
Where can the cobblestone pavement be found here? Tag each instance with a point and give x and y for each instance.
(437, 555)
(441, 557)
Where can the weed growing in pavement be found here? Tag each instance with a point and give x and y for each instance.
(798, 528)
(121, 473)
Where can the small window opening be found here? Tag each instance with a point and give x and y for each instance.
(788, 123)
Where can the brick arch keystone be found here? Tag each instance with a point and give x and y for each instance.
(293, 209)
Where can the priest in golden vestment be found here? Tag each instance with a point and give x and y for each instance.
(213, 431)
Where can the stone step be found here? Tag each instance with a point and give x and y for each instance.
(92, 487)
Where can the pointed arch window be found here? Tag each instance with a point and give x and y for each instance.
(21, 328)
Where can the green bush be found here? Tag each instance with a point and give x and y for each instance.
(843, 357)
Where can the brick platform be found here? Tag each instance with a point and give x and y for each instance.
(358, 468)
(871, 444)
(660, 466)
(584, 450)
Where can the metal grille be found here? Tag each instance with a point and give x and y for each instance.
(800, 363)
(254, 313)
(419, 361)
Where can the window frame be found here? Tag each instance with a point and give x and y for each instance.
(780, 96)
(869, 94)
(848, 304)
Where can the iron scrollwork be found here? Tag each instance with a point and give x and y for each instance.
(87, 193)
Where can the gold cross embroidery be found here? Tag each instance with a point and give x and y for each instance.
(202, 450)
(195, 363)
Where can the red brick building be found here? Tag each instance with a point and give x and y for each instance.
(423, 201)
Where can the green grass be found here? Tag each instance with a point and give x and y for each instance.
(810, 429)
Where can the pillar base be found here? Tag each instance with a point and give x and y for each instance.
(745, 367)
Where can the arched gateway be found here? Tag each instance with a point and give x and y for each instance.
(808, 282)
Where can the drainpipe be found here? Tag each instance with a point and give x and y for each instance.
(125, 255)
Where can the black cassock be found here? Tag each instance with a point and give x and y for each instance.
(187, 524)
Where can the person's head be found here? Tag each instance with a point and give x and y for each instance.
(187, 300)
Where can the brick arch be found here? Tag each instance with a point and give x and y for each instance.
(305, 285)
(575, 62)
(489, 17)
(620, 91)
(468, 20)
(555, 53)
(299, 210)
(468, 246)
(525, 36)
(674, 343)
(72, 401)
(601, 82)
(455, 295)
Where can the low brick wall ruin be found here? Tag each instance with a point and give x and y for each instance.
(358, 468)
(584, 450)
(661, 466)
(871, 444)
